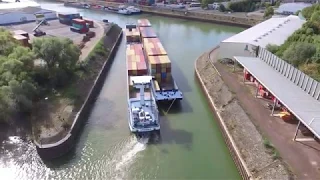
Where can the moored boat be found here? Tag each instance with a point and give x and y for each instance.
(134, 10)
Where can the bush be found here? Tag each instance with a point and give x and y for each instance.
(272, 48)
(242, 6)
(268, 12)
(302, 48)
(222, 8)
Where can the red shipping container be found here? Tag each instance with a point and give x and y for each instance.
(79, 21)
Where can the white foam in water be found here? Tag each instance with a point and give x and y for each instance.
(14, 139)
(132, 148)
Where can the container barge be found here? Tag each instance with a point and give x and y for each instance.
(143, 115)
(158, 63)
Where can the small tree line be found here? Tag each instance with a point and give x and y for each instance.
(302, 48)
(27, 75)
(244, 6)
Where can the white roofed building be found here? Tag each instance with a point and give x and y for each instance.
(275, 30)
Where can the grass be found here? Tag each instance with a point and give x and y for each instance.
(271, 149)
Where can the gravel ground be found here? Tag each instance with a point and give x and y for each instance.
(249, 141)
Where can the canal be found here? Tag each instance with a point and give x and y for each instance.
(192, 146)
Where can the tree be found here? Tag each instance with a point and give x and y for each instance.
(299, 53)
(204, 3)
(272, 48)
(277, 4)
(60, 56)
(7, 42)
(312, 69)
(222, 8)
(315, 16)
(268, 12)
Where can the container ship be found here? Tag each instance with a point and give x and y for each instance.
(143, 115)
(149, 77)
(158, 64)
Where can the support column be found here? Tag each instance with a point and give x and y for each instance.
(295, 135)
(257, 91)
(274, 104)
(234, 65)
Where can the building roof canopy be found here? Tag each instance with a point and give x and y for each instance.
(301, 104)
(272, 31)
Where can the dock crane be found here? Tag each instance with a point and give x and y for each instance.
(37, 31)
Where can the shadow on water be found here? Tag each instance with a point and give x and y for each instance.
(177, 107)
(179, 78)
(174, 136)
(167, 135)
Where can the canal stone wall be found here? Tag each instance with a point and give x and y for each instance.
(111, 41)
(228, 19)
(241, 136)
(209, 17)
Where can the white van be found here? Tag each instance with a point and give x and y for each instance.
(193, 6)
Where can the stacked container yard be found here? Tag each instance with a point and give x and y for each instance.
(144, 23)
(79, 25)
(65, 18)
(132, 34)
(89, 23)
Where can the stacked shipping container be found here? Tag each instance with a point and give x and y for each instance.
(136, 64)
(153, 47)
(67, 18)
(132, 35)
(147, 32)
(160, 68)
(159, 64)
(79, 25)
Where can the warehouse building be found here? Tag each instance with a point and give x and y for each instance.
(291, 8)
(10, 15)
(272, 31)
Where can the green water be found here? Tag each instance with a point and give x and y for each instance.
(192, 146)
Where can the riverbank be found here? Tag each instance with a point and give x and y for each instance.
(254, 156)
(75, 102)
(228, 19)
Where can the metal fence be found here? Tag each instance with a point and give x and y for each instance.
(303, 81)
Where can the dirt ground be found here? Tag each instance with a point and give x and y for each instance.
(302, 157)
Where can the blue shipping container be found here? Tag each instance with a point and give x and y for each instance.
(163, 75)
